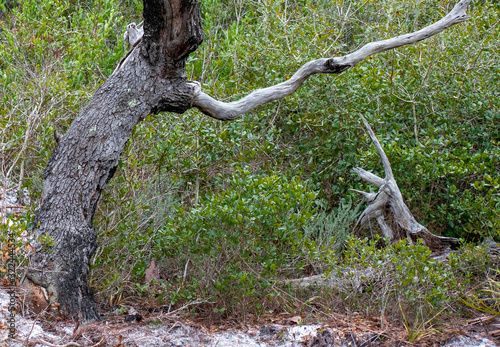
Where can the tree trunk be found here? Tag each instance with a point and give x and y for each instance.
(151, 79)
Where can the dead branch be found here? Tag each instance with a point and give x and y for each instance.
(389, 210)
(232, 110)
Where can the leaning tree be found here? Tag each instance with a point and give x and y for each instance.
(150, 79)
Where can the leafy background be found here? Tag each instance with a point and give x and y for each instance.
(228, 210)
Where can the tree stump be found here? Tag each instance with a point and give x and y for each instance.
(389, 210)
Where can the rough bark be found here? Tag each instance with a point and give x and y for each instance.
(389, 210)
(151, 80)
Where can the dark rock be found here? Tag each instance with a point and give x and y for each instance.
(322, 339)
(130, 318)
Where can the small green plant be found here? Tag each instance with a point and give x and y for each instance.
(420, 328)
(46, 241)
(332, 230)
(13, 231)
(487, 298)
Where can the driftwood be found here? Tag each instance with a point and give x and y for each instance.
(389, 210)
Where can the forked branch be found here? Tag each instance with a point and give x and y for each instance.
(232, 110)
(388, 209)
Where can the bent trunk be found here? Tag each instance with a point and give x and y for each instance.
(148, 81)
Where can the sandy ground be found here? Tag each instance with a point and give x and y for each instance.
(159, 330)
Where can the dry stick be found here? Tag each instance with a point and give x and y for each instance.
(6, 190)
(15, 206)
(72, 344)
(484, 327)
(100, 343)
(374, 338)
(69, 344)
(168, 331)
(34, 322)
(86, 339)
(385, 161)
(195, 302)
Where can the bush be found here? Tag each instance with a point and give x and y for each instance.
(233, 245)
(381, 278)
(331, 230)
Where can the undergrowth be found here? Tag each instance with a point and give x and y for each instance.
(230, 211)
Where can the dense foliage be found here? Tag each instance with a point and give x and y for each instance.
(228, 209)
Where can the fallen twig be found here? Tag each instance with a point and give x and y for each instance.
(196, 302)
(69, 344)
(168, 331)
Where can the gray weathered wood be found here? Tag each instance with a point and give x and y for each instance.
(232, 110)
(388, 209)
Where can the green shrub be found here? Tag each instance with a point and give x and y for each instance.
(233, 245)
(404, 272)
(51, 61)
(331, 230)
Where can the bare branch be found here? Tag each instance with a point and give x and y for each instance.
(232, 110)
(385, 161)
(368, 196)
(386, 229)
(374, 210)
(369, 177)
